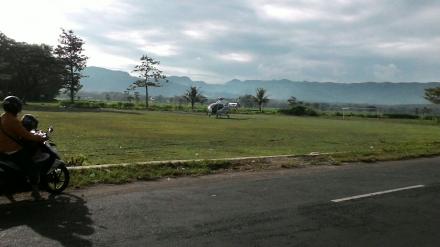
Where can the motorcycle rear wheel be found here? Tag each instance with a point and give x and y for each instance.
(57, 180)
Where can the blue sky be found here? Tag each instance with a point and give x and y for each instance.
(217, 41)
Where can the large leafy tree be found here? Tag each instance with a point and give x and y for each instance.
(40, 74)
(433, 95)
(28, 71)
(6, 45)
(69, 51)
(149, 75)
(6, 64)
(261, 98)
(193, 95)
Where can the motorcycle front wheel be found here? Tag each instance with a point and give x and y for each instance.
(57, 180)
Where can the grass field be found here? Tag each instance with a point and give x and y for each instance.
(114, 137)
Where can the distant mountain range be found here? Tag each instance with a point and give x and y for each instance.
(104, 80)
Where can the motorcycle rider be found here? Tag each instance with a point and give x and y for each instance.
(12, 135)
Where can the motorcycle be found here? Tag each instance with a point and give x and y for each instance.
(54, 175)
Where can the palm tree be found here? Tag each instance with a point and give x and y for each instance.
(261, 98)
(193, 95)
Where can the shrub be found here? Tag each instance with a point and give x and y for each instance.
(82, 104)
(128, 105)
(401, 116)
(299, 110)
(79, 160)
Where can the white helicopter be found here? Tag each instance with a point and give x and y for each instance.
(221, 109)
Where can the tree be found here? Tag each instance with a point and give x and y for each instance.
(128, 96)
(40, 73)
(179, 100)
(137, 97)
(69, 51)
(433, 95)
(193, 96)
(426, 111)
(161, 99)
(246, 100)
(261, 98)
(149, 74)
(6, 60)
(29, 71)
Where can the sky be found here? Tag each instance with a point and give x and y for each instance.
(217, 41)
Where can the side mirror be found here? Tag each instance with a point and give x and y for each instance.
(50, 130)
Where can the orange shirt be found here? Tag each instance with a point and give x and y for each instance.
(12, 126)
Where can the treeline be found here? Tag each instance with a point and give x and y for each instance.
(37, 72)
(246, 101)
(29, 71)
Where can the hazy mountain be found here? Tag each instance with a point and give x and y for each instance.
(100, 79)
(104, 80)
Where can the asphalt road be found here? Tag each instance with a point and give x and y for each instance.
(271, 208)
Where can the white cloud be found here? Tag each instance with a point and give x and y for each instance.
(164, 50)
(206, 30)
(298, 39)
(33, 21)
(301, 69)
(407, 48)
(194, 74)
(196, 34)
(284, 13)
(137, 37)
(340, 11)
(237, 57)
(387, 72)
(401, 46)
(39, 21)
(100, 57)
(142, 41)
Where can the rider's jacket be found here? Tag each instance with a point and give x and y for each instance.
(13, 127)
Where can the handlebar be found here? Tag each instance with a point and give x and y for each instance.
(43, 134)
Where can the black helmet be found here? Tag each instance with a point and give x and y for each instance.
(12, 104)
(29, 122)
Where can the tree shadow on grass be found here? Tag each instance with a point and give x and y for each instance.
(234, 119)
(79, 109)
(64, 218)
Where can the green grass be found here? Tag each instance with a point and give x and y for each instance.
(132, 173)
(114, 137)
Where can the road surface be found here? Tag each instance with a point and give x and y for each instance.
(380, 204)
